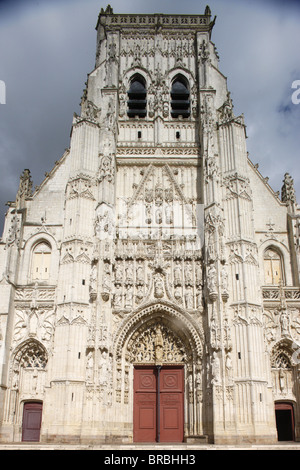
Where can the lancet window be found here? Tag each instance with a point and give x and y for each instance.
(273, 267)
(137, 94)
(40, 266)
(180, 98)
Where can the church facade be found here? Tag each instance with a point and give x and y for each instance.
(149, 286)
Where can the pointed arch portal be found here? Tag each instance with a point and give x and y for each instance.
(164, 348)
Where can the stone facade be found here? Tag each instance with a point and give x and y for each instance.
(154, 241)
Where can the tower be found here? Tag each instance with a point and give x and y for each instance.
(136, 306)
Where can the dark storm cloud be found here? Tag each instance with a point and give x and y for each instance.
(47, 48)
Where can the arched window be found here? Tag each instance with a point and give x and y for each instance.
(272, 267)
(180, 98)
(137, 93)
(41, 257)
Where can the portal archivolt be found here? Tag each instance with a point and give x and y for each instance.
(159, 333)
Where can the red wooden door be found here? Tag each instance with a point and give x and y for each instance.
(147, 405)
(32, 419)
(144, 410)
(171, 405)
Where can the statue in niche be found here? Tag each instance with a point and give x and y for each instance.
(129, 297)
(214, 334)
(177, 273)
(90, 367)
(140, 272)
(110, 116)
(282, 381)
(188, 273)
(103, 368)
(139, 294)
(211, 279)
(189, 298)
(224, 280)
(158, 216)
(169, 214)
(177, 293)
(119, 271)
(158, 287)
(148, 211)
(106, 282)
(199, 297)
(228, 366)
(284, 322)
(117, 299)
(198, 273)
(129, 272)
(215, 367)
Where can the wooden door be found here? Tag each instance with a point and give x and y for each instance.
(32, 419)
(144, 409)
(158, 405)
(171, 405)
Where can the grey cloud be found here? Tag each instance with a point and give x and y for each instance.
(48, 48)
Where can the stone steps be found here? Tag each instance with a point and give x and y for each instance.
(149, 447)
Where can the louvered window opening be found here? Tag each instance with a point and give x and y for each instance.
(180, 99)
(137, 103)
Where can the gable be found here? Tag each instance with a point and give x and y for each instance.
(157, 204)
(267, 206)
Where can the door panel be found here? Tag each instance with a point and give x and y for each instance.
(144, 407)
(171, 405)
(32, 418)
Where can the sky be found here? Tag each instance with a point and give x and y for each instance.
(48, 47)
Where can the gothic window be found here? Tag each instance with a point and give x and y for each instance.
(41, 257)
(272, 267)
(137, 97)
(180, 98)
(29, 368)
(281, 361)
(33, 356)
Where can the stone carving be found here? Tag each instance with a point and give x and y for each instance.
(93, 281)
(106, 169)
(89, 110)
(156, 344)
(216, 369)
(14, 231)
(106, 280)
(35, 322)
(287, 190)
(104, 225)
(158, 286)
(211, 279)
(25, 188)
